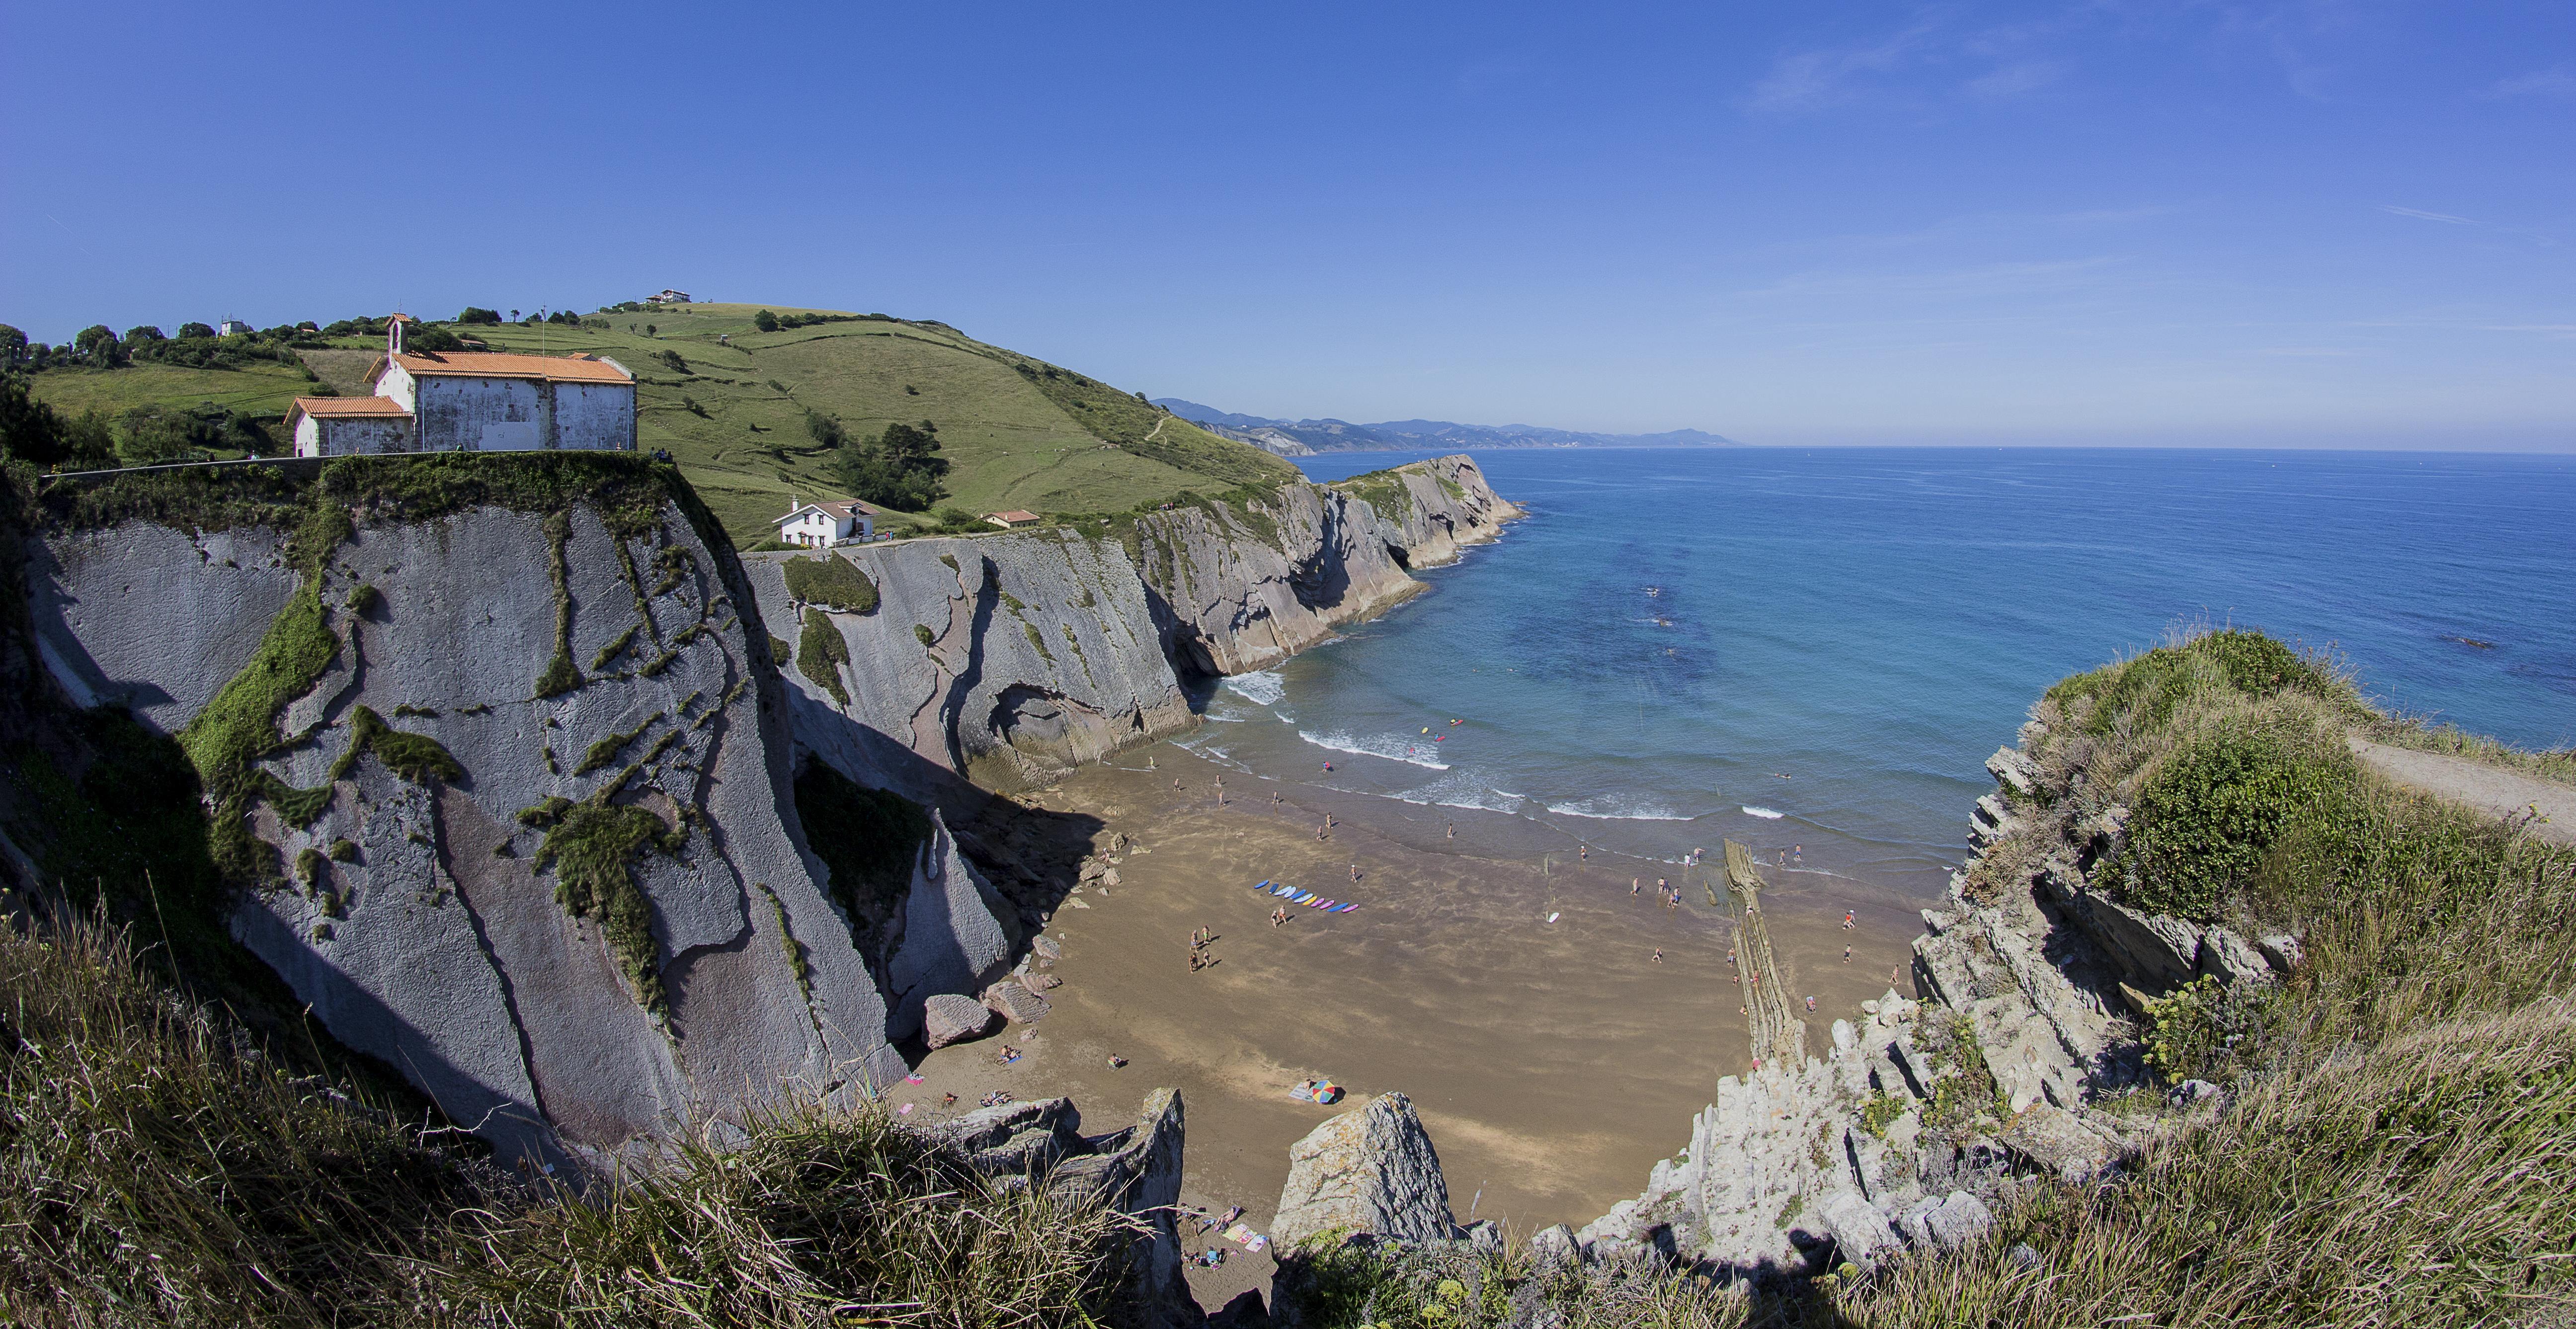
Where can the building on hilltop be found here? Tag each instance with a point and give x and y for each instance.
(1012, 519)
(669, 297)
(822, 525)
(231, 326)
(472, 401)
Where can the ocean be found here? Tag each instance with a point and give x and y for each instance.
(1813, 651)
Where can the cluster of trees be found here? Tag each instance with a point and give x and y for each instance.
(98, 347)
(899, 468)
(34, 433)
(769, 322)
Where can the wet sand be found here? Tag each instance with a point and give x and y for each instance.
(1552, 1063)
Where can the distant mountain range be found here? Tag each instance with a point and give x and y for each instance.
(1304, 438)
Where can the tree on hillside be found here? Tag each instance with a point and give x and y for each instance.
(765, 321)
(98, 343)
(152, 436)
(478, 314)
(900, 468)
(431, 338)
(30, 430)
(147, 332)
(13, 346)
(672, 358)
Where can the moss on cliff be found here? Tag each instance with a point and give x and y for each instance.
(415, 757)
(239, 727)
(867, 839)
(592, 845)
(821, 653)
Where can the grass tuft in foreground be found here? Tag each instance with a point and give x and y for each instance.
(157, 1167)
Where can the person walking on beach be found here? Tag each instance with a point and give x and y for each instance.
(1453, 829)
(1355, 873)
(1846, 955)
(1633, 883)
(1278, 915)
(1659, 955)
(1848, 920)
(1811, 1003)
(1583, 853)
(1176, 782)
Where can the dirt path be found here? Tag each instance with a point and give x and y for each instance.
(2496, 792)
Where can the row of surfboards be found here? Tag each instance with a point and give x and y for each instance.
(1308, 898)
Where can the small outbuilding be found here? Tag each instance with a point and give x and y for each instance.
(349, 426)
(1012, 519)
(822, 525)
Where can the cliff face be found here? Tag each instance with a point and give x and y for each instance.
(1011, 659)
(585, 920)
(1239, 589)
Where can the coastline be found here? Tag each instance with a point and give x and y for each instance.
(1547, 1060)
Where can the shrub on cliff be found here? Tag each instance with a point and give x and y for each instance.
(831, 581)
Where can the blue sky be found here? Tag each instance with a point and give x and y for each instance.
(2306, 223)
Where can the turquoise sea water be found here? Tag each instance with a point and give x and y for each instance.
(1872, 623)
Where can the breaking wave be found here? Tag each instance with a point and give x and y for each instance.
(1765, 814)
(1389, 749)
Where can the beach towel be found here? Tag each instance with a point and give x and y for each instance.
(1259, 1242)
(1238, 1234)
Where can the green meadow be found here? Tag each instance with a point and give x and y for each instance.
(1017, 432)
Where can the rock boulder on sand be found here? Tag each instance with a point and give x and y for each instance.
(1371, 1169)
(1016, 1003)
(949, 1018)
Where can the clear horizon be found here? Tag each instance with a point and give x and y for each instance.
(2101, 224)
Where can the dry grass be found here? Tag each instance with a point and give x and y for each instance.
(156, 1168)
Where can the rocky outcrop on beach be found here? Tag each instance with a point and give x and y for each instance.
(1135, 1170)
(1372, 1170)
(1923, 1117)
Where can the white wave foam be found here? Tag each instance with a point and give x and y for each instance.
(1614, 809)
(1765, 814)
(1388, 749)
(1461, 790)
(1261, 687)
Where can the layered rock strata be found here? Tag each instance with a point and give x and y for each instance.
(601, 919)
(1925, 1114)
(1372, 1170)
(1135, 1170)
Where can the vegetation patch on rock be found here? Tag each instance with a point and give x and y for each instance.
(832, 582)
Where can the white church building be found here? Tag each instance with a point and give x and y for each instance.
(472, 401)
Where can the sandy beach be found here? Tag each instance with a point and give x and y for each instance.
(1553, 1063)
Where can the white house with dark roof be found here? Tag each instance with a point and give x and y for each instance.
(822, 525)
(472, 401)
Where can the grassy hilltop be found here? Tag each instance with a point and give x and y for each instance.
(1017, 432)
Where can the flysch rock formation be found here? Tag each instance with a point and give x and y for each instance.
(1924, 1116)
(1011, 659)
(422, 928)
(1239, 590)
(428, 920)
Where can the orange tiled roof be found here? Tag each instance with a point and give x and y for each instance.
(1014, 516)
(505, 364)
(346, 407)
